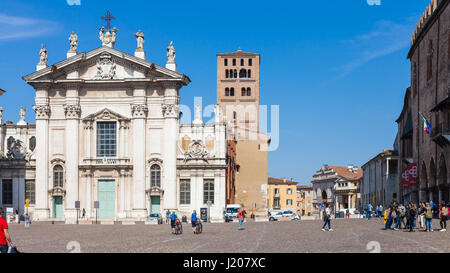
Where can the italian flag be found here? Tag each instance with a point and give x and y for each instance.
(426, 124)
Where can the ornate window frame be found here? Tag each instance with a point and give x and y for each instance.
(57, 191)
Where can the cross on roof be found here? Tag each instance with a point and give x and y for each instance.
(108, 18)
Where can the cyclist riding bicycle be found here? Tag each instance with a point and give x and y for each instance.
(173, 218)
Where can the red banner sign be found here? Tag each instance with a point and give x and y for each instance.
(409, 175)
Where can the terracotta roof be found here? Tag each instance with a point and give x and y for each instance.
(301, 187)
(272, 180)
(238, 53)
(344, 172)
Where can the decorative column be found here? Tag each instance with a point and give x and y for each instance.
(72, 111)
(170, 110)
(42, 109)
(88, 126)
(89, 176)
(139, 112)
(123, 127)
(122, 201)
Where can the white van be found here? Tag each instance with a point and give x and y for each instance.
(232, 211)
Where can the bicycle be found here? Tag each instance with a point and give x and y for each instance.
(198, 227)
(178, 227)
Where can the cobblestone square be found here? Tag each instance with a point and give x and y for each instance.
(349, 236)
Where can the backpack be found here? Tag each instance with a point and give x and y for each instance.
(429, 213)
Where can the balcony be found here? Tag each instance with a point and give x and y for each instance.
(441, 134)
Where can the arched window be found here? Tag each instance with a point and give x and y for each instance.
(232, 92)
(208, 191)
(155, 176)
(242, 62)
(249, 62)
(235, 74)
(243, 93)
(249, 73)
(226, 73)
(242, 73)
(234, 62)
(249, 91)
(225, 62)
(227, 91)
(58, 176)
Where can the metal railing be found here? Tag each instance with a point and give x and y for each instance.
(442, 128)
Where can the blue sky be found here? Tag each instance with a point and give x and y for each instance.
(338, 71)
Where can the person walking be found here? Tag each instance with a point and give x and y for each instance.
(347, 214)
(388, 216)
(167, 216)
(240, 217)
(428, 217)
(5, 237)
(83, 213)
(27, 220)
(173, 218)
(443, 215)
(395, 217)
(194, 220)
(327, 218)
(401, 216)
(421, 214)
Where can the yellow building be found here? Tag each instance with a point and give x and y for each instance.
(304, 200)
(282, 195)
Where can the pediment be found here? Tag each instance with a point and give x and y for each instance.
(105, 115)
(104, 64)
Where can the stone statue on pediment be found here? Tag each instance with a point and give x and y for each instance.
(171, 53)
(73, 42)
(43, 55)
(107, 38)
(140, 40)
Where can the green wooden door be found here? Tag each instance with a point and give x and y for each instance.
(155, 204)
(107, 199)
(57, 207)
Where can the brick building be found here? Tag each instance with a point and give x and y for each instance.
(429, 96)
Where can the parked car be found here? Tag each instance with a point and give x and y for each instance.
(155, 217)
(288, 213)
(295, 217)
(275, 216)
(231, 212)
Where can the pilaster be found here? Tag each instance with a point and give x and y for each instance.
(42, 109)
(170, 111)
(139, 112)
(72, 112)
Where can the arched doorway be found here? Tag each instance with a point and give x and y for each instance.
(433, 187)
(423, 183)
(324, 196)
(443, 180)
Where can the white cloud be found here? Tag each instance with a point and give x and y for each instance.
(385, 38)
(15, 27)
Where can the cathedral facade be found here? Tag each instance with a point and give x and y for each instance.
(109, 138)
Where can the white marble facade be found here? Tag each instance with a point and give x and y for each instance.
(108, 130)
(17, 163)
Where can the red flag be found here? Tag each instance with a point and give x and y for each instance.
(412, 174)
(405, 178)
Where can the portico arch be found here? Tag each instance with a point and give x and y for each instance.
(423, 183)
(442, 179)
